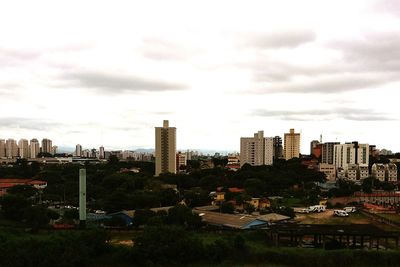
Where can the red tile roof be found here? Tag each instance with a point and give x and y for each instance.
(15, 180)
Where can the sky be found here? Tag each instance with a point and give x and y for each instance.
(108, 72)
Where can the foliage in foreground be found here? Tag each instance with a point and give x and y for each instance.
(171, 245)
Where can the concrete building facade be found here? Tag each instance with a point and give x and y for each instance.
(47, 145)
(11, 149)
(34, 148)
(291, 145)
(328, 152)
(329, 170)
(165, 149)
(23, 148)
(257, 150)
(351, 153)
(278, 148)
(2, 148)
(384, 172)
(181, 158)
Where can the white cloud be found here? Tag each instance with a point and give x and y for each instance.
(108, 72)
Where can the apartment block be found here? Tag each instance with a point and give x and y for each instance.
(291, 145)
(165, 149)
(2, 148)
(257, 150)
(327, 152)
(351, 153)
(34, 148)
(384, 172)
(23, 148)
(329, 170)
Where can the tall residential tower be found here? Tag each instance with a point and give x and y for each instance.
(257, 150)
(292, 145)
(165, 149)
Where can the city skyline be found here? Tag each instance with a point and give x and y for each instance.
(265, 66)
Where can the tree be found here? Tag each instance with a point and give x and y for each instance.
(36, 217)
(113, 160)
(249, 208)
(142, 216)
(182, 215)
(25, 191)
(53, 215)
(13, 206)
(169, 245)
(227, 207)
(71, 214)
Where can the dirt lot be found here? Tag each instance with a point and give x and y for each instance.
(327, 217)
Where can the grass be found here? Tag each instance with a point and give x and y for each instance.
(390, 216)
(292, 202)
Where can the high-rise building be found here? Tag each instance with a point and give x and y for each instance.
(2, 148)
(78, 150)
(257, 150)
(47, 145)
(327, 152)
(165, 149)
(278, 149)
(54, 150)
(101, 153)
(23, 146)
(181, 159)
(34, 148)
(11, 149)
(292, 145)
(351, 153)
(313, 145)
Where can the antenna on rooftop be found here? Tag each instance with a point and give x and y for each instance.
(320, 138)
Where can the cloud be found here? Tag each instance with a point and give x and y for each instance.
(387, 6)
(274, 40)
(351, 114)
(27, 123)
(375, 51)
(11, 57)
(113, 83)
(327, 84)
(158, 49)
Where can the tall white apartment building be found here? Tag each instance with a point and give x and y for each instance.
(47, 145)
(2, 148)
(257, 150)
(291, 145)
(181, 159)
(78, 150)
(327, 152)
(34, 148)
(101, 153)
(165, 149)
(384, 172)
(11, 148)
(23, 146)
(378, 171)
(351, 153)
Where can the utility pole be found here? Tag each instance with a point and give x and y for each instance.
(82, 198)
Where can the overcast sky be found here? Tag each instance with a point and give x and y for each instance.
(108, 72)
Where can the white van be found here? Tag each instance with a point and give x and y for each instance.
(317, 208)
(349, 209)
(340, 213)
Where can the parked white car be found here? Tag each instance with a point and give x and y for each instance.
(350, 209)
(317, 208)
(340, 213)
(305, 210)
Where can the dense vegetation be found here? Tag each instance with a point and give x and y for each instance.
(160, 238)
(111, 190)
(168, 246)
